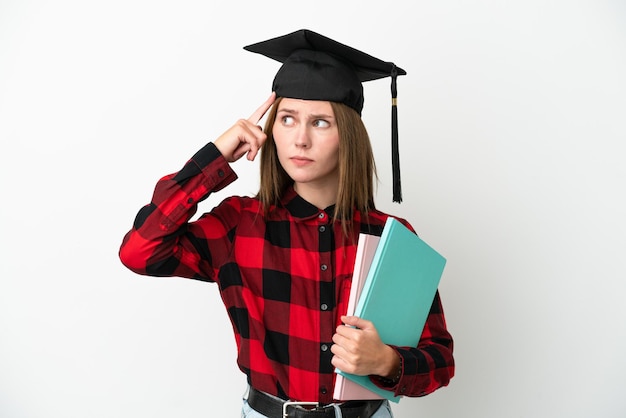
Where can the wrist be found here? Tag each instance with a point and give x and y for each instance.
(393, 370)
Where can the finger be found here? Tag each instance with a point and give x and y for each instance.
(339, 363)
(340, 338)
(341, 355)
(251, 139)
(346, 331)
(260, 112)
(344, 364)
(355, 321)
(252, 154)
(241, 150)
(255, 144)
(343, 347)
(337, 350)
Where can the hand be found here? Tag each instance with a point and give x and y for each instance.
(245, 136)
(360, 350)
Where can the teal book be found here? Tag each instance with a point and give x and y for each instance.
(398, 292)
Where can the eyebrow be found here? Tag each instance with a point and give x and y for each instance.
(313, 116)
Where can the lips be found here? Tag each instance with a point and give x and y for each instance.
(298, 160)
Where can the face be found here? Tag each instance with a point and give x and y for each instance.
(307, 142)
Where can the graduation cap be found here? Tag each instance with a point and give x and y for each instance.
(318, 68)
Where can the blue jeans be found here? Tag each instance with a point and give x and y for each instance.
(246, 412)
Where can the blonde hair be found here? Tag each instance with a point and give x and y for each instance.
(357, 169)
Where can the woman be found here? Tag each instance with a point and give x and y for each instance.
(283, 260)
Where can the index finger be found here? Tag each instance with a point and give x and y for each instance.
(258, 114)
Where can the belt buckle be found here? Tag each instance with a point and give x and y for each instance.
(293, 403)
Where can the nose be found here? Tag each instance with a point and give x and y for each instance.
(302, 139)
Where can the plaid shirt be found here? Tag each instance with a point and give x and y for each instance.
(284, 279)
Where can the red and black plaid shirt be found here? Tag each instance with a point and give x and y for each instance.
(284, 279)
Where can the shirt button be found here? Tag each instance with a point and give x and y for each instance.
(321, 215)
(323, 390)
(324, 347)
(220, 173)
(322, 228)
(190, 200)
(324, 306)
(324, 267)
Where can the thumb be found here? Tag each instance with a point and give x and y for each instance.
(357, 322)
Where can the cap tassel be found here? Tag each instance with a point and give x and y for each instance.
(395, 153)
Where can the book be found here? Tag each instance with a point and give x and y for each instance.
(346, 389)
(398, 292)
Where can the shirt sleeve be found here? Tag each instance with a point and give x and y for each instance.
(162, 241)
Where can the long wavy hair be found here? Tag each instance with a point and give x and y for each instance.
(357, 169)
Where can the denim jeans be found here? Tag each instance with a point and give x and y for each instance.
(246, 412)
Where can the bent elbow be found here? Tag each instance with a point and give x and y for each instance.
(132, 254)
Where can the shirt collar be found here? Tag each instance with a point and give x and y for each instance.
(300, 208)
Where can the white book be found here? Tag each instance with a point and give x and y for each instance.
(346, 389)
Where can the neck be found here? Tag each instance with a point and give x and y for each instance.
(321, 197)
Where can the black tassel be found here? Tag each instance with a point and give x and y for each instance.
(395, 152)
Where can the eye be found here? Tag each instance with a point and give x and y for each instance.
(321, 123)
(287, 120)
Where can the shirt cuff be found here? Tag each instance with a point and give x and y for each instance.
(206, 155)
(214, 166)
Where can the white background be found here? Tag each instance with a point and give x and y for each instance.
(512, 137)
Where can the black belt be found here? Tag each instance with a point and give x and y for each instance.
(273, 408)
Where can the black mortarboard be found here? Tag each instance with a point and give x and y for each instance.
(318, 68)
